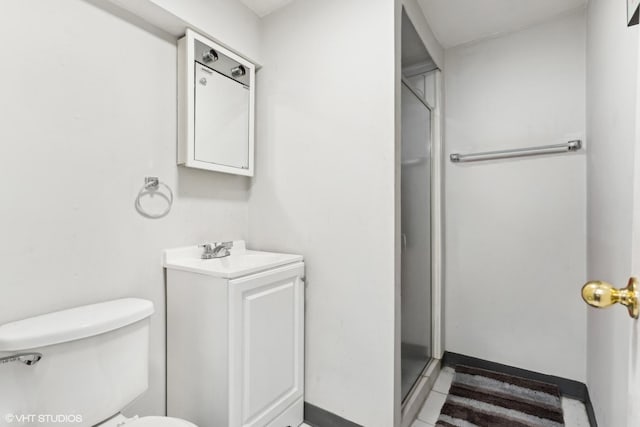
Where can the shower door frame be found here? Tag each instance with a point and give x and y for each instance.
(406, 83)
(436, 210)
(422, 99)
(436, 225)
(406, 409)
(435, 203)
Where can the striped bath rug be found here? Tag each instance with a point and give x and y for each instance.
(482, 398)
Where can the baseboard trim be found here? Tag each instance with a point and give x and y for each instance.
(568, 388)
(318, 417)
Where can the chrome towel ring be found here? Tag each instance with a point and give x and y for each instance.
(151, 187)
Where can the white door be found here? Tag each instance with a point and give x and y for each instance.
(633, 406)
(613, 174)
(266, 345)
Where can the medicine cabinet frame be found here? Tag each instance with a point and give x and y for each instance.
(186, 105)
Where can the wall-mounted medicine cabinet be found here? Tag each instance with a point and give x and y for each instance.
(216, 93)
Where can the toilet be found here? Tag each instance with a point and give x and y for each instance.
(78, 367)
(122, 421)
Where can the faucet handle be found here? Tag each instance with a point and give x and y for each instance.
(208, 250)
(208, 247)
(226, 245)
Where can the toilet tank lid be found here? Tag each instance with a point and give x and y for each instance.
(73, 324)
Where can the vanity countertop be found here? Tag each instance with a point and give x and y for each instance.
(241, 262)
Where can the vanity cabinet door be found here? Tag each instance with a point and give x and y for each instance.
(266, 344)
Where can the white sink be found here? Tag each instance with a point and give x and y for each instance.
(241, 262)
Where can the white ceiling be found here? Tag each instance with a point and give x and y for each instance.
(265, 7)
(456, 22)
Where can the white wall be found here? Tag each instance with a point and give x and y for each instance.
(227, 21)
(515, 229)
(88, 110)
(612, 53)
(324, 187)
(416, 14)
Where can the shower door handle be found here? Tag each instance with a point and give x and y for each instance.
(602, 295)
(404, 242)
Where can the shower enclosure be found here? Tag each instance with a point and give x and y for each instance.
(416, 237)
(418, 84)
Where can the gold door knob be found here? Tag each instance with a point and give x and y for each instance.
(602, 294)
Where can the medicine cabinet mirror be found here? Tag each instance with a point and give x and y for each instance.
(215, 107)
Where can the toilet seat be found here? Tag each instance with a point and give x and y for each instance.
(122, 421)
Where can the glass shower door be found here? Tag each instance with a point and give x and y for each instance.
(416, 348)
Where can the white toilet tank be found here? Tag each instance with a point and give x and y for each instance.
(94, 363)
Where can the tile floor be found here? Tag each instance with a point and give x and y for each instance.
(575, 414)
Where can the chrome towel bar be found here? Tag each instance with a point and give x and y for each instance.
(573, 145)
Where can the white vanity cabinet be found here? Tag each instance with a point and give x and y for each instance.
(235, 338)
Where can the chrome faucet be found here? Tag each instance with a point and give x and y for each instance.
(216, 250)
